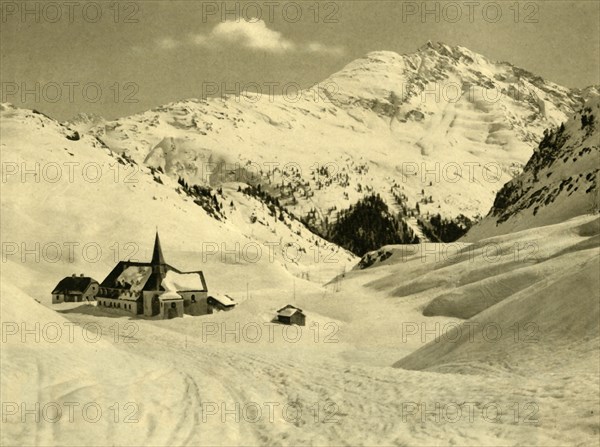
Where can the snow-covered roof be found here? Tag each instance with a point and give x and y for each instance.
(289, 306)
(73, 284)
(288, 311)
(135, 275)
(182, 282)
(170, 295)
(225, 300)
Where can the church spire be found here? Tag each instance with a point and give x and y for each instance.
(159, 266)
(157, 256)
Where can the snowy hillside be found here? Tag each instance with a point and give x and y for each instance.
(560, 180)
(536, 290)
(61, 370)
(436, 131)
(82, 208)
(83, 122)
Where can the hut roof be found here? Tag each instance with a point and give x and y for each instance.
(73, 284)
(225, 300)
(288, 310)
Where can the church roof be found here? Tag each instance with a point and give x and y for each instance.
(144, 276)
(147, 281)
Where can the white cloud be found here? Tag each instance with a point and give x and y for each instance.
(251, 35)
(317, 47)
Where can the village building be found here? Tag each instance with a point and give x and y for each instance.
(153, 289)
(220, 303)
(75, 289)
(291, 315)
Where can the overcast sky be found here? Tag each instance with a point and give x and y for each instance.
(148, 53)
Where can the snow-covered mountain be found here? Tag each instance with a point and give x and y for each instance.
(436, 131)
(560, 180)
(83, 122)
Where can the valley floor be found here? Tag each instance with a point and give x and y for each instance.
(237, 379)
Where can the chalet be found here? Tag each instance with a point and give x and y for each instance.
(291, 315)
(75, 289)
(153, 289)
(220, 303)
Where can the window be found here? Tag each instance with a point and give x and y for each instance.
(193, 298)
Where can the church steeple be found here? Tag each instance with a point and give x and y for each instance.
(159, 266)
(157, 256)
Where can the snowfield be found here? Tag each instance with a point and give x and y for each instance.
(527, 372)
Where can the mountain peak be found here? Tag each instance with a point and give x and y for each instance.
(430, 50)
(453, 51)
(438, 47)
(382, 56)
(429, 45)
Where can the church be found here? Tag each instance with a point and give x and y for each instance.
(153, 289)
